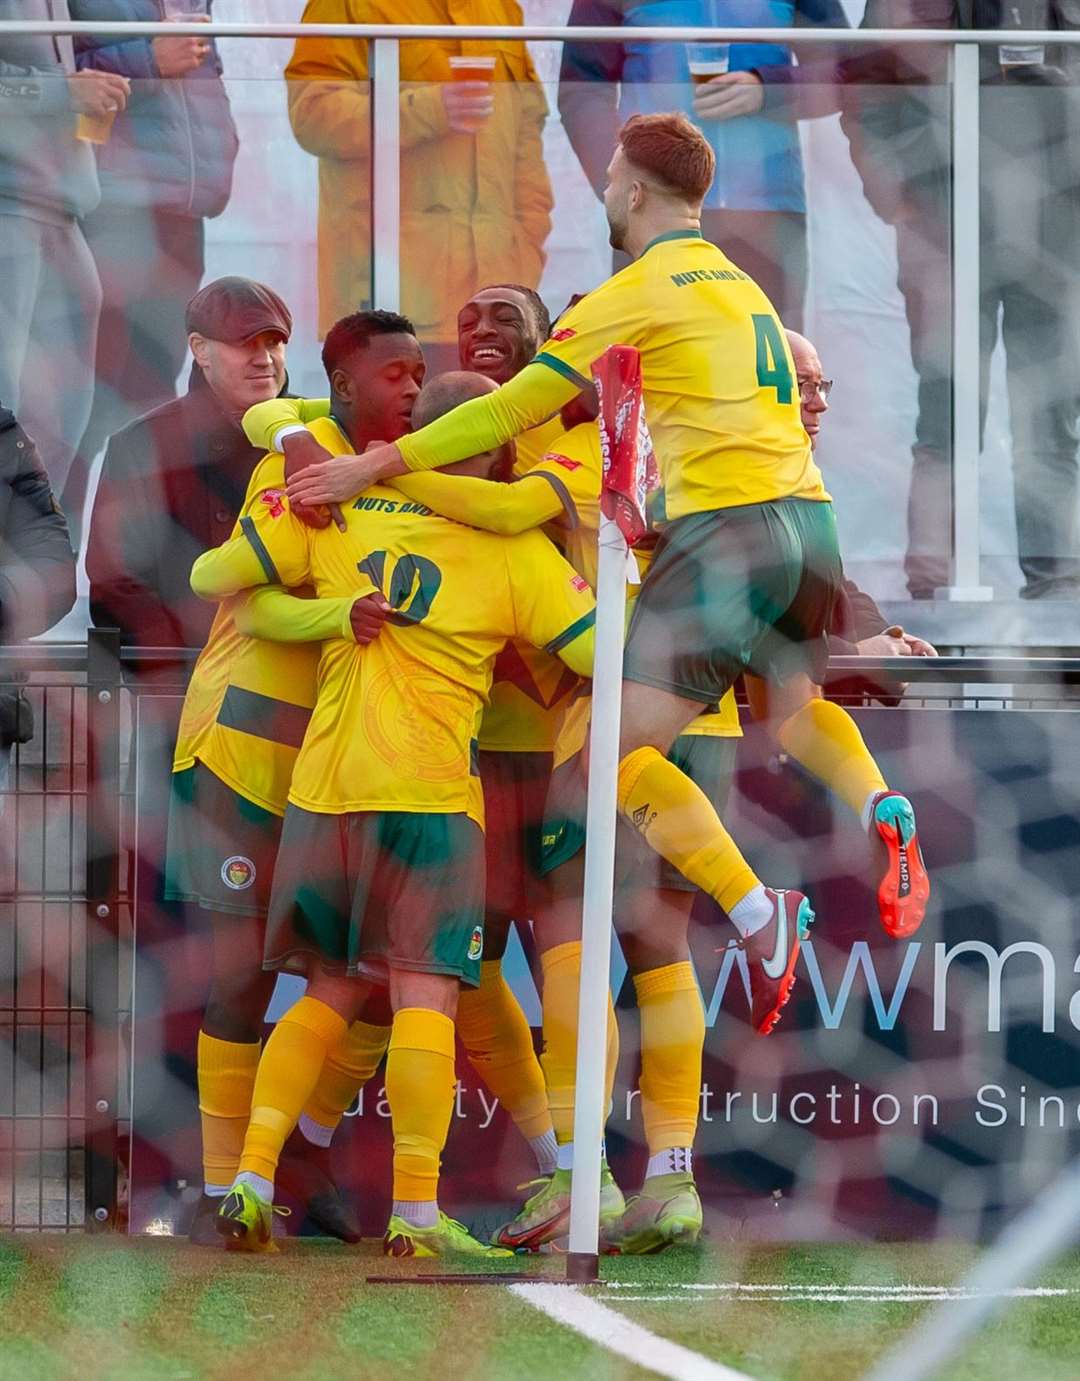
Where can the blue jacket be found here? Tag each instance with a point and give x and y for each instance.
(175, 145)
(758, 162)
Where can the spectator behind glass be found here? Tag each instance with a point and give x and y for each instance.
(475, 195)
(173, 482)
(755, 210)
(49, 292)
(37, 570)
(858, 627)
(896, 117)
(165, 168)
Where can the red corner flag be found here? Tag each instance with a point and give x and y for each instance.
(629, 464)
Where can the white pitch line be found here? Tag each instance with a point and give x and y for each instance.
(794, 1299)
(611, 1330)
(791, 1294)
(901, 1287)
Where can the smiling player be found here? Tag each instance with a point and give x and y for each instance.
(747, 569)
(380, 869)
(244, 715)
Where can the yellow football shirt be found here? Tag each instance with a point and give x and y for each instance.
(395, 724)
(531, 446)
(248, 701)
(530, 687)
(572, 470)
(721, 396)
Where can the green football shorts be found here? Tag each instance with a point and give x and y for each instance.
(736, 589)
(515, 793)
(220, 847)
(365, 892)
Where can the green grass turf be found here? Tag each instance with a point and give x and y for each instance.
(124, 1310)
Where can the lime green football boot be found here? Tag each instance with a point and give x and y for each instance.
(667, 1213)
(612, 1203)
(447, 1238)
(245, 1220)
(543, 1216)
(544, 1219)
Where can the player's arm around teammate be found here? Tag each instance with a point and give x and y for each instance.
(748, 567)
(244, 734)
(500, 329)
(420, 1069)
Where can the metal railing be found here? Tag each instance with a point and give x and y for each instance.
(83, 1125)
(68, 901)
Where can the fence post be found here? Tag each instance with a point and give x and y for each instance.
(386, 175)
(102, 924)
(966, 583)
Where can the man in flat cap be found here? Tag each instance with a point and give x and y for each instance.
(173, 481)
(172, 484)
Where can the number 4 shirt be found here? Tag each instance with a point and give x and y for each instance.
(721, 396)
(395, 723)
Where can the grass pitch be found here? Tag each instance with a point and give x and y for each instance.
(128, 1309)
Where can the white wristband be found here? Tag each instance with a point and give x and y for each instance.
(290, 429)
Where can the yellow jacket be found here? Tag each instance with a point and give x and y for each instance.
(475, 209)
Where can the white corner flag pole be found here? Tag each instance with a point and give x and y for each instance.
(589, 1111)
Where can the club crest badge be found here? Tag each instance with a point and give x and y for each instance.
(476, 944)
(275, 501)
(238, 873)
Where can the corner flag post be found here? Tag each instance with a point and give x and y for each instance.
(629, 472)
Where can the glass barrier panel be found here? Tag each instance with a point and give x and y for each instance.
(919, 1089)
(1029, 209)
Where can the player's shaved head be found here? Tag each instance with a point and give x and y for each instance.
(671, 152)
(448, 391)
(442, 395)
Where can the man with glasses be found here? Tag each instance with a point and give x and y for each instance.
(747, 569)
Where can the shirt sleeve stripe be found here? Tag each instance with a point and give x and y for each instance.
(575, 630)
(563, 493)
(561, 367)
(263, 716)
(247, 527)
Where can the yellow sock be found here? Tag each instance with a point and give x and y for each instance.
(677, 819)
(346, 1070)
(288, 1071)
(226, 1080)
(562, 976)
(672, 1039)
(826, 741)
(612, 1052)
(420, 1091)
(498, 1041)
